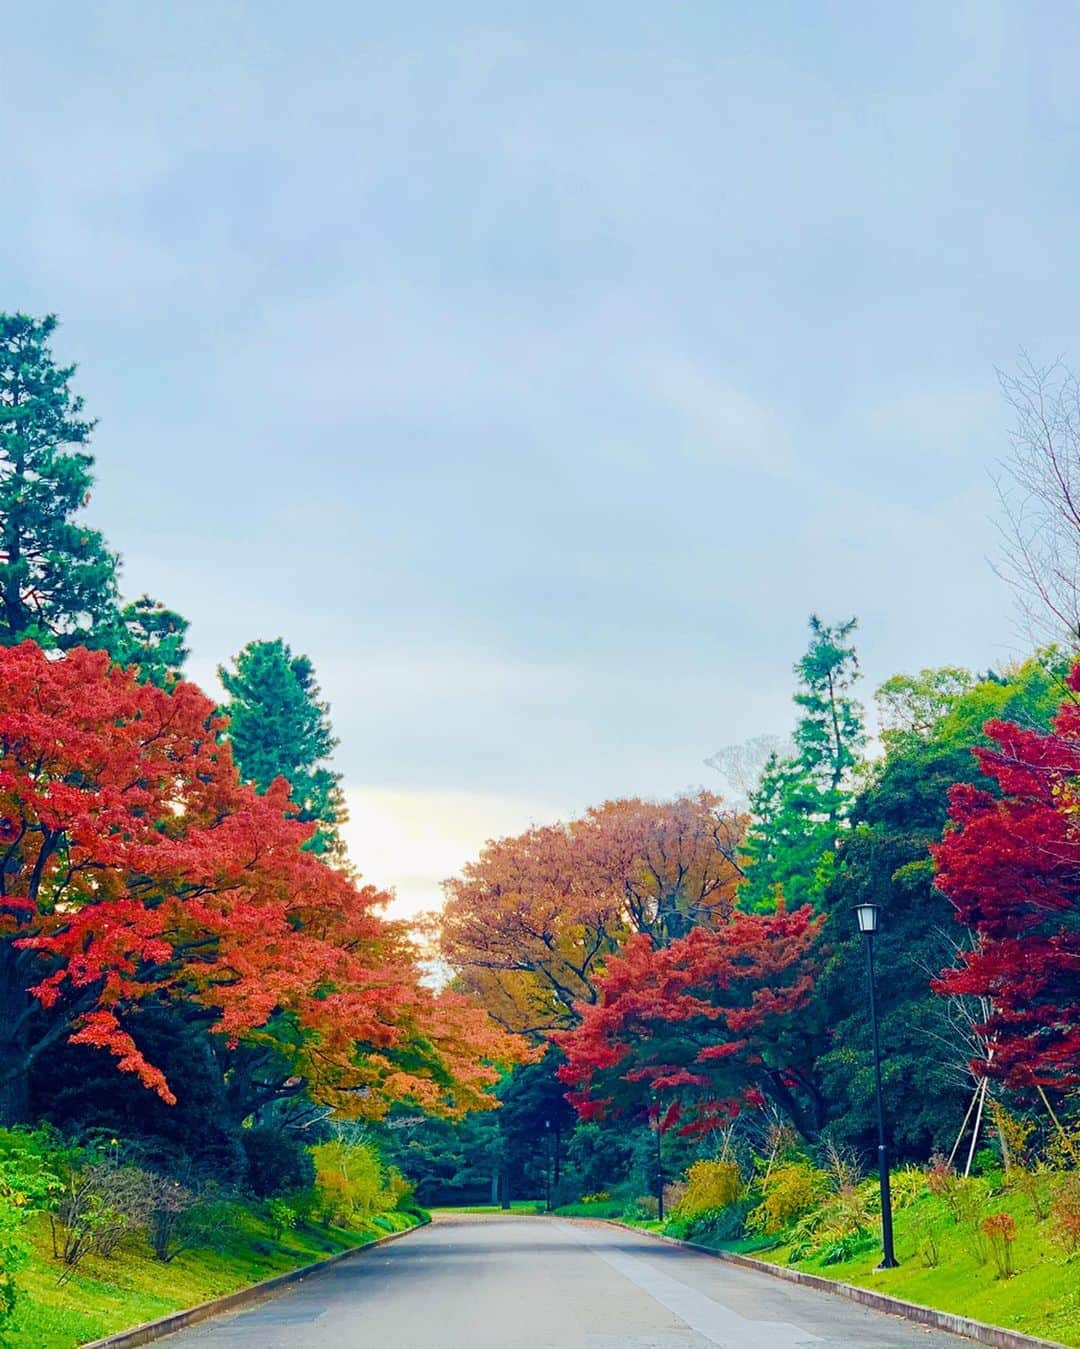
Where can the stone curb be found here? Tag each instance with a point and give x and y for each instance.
(168, 1325)
(996, 1336)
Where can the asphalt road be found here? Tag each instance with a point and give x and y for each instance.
(541, 1283)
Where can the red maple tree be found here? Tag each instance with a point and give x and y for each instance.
(1010, 864)
(698, 1027)
(136, 865)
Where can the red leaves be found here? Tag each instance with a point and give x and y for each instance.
(136, 864)
(102, 1030)
(700, 1020)
(1011, 866)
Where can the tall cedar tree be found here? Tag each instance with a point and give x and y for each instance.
(1010, 863)
(58, 579)
(801, 803)
(138, 868)
(279, 727)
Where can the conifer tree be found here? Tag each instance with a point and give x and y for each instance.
(801, 802)
(57, 577)
(151, 637)
(280, 727)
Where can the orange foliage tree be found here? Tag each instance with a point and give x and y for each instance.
(528, 926)
(136, 866)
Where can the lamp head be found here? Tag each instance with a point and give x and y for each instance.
(868, 916)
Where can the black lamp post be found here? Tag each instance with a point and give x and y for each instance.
(659, 1165)
(868, 915)
(547, 1167)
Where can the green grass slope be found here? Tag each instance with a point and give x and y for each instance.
(107, 1295)
(1042, 1298)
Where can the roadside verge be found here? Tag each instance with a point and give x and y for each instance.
(149, 1331)
(997, 1336)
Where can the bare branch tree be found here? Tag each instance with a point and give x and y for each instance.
(1039, 489)
(741, 765)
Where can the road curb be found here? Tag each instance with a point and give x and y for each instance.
(149, 1331)
(980, 1331)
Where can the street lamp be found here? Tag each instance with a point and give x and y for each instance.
(868, 916)
(547, 1167)
(659, 1165)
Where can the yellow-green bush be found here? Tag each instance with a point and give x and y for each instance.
(351, 1182)
(787, 1192)
(710, 1185)
(908, 1184)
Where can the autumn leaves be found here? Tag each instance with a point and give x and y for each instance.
(137, 866)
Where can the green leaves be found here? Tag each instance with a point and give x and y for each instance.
(280, 727)
(801, 802)
(58, 577)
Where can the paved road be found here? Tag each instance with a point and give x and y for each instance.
(540, 1283)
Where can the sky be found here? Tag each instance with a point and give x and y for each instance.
(538, 368)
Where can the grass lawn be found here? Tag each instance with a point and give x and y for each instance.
(516, 1206)
(1042, 1298)
(599, 1208)
(103, 1296)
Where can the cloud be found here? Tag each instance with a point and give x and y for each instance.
(412, 840)
(718, 421)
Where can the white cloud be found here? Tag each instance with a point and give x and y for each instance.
(942, 416)
(720, 422)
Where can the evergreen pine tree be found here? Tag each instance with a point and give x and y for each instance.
(152, 637)
(279, 726)
(801, 802)
(829, 736)
(57, 577)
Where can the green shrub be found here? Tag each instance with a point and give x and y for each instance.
(840, 1248)
(212, 1226)
(27, 1184)
(277, 1162)
(727, 1225)
(283, 1216)
(986, 1161)
(352, 1184)
(642, 1209)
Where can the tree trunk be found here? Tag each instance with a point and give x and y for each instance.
(14, 1097)
(14, 1055)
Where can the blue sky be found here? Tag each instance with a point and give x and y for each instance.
(537, 369)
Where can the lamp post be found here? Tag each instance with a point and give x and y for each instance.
(868, 916)
(659, 1165)
(547, 1167)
